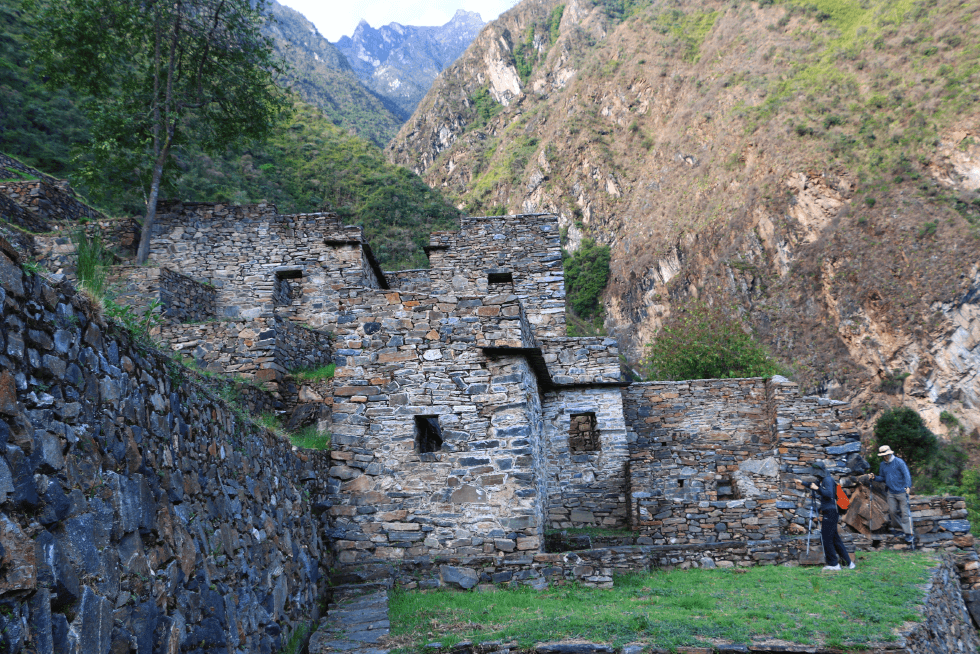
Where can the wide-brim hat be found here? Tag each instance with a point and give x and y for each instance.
(884, 450)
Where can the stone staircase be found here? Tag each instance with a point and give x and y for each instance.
(357, 616)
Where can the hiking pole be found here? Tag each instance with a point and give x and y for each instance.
(908, 502)
(809, 523)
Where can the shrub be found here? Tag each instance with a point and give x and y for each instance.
(904, 431)
(699, 341)
(586, 274)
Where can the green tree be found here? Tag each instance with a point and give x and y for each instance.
(903, 429)
(159, 74)
(701, 341)
(586, 275)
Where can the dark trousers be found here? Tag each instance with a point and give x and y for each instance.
(832, 544)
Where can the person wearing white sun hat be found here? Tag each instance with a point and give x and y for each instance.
(895, 473)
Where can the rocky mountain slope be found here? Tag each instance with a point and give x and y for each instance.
(814, 164)
(400, 62)
(322, 76)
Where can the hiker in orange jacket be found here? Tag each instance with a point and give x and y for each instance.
(833, 547)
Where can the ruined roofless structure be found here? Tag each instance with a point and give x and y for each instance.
(464, 420)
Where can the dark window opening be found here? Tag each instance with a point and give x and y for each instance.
(726, 489)
(680, 483)
(500, 278)
(285, 289)
(583, 436)
(428, 436)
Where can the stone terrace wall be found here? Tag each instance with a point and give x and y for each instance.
(185, 299)
(181, 298)
(9, 163)
(402, 355)
(241, 249)
(17, 215)
(526, 246)
(136, 510)
(945, 627)
(301, 348)
(586, 489)
(53, 201)
(264, 349)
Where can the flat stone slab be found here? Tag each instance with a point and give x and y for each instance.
(573, 648)
(371, 636)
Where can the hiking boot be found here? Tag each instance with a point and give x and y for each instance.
(852, 566)
(831, 568)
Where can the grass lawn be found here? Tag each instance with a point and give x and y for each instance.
(671, 609)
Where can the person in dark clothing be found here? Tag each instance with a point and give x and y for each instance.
(833, 546)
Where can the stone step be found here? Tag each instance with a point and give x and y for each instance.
(356, 620)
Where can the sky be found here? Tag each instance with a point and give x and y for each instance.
(337, 18)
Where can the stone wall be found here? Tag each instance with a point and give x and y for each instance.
(809, 429)
(21, 217)
(714, 460)
(946, 627)
(182, 299)
(16, 168)
(51, 200)
(586, 488)
(185, 299)
(301, 348)
(702, 466)
(525, 247)
(589, 360)
(137, 511)
(264, 349)
(415, 281)
(403, 359)
(243, 251)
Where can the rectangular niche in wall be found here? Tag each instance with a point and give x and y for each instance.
(428, 436)
(500, 277)
(583, 436)
(286, 287)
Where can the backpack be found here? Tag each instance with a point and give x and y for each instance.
(842, 500)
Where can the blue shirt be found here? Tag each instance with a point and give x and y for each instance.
(895, 475)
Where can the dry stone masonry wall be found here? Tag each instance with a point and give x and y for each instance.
(464, 422)
(505, 254)
(137, 511)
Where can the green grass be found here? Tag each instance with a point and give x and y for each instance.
(673, 609)
(93, 261)
(270, 421)
(309, 439)
(317, 374)
(295, 642)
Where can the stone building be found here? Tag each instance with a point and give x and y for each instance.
(465, 422)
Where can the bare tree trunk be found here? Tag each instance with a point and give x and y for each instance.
(151, 205)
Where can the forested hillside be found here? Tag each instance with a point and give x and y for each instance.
(308, 164)
(322, 76)
(813, 164)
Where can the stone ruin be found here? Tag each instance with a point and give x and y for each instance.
(136, 505)
(465, 423)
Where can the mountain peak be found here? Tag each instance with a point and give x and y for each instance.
(462, 14)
